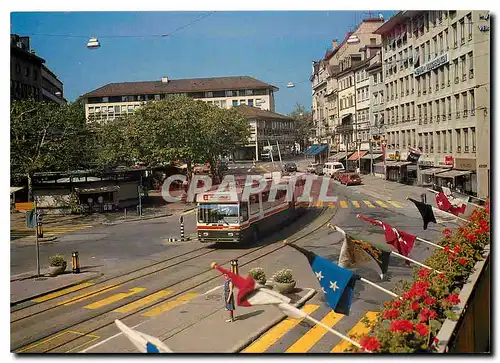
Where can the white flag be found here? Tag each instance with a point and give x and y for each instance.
(143, 342)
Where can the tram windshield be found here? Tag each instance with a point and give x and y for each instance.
(218, 213)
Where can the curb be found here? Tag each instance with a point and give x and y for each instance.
(240, 346)
(185, 239)
(33, 239)
(14, 303)
(145, 218)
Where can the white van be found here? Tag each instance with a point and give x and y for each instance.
(331, 167)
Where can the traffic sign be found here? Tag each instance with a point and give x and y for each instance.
(100, 199)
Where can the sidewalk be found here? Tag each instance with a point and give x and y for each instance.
(204, 320)
(26, 287)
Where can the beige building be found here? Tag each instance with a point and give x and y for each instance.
(117, 99)
(436, 66)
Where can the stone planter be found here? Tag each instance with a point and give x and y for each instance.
(284, 287)
(56, 270)
(471, 333)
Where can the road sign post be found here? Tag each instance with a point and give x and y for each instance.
(37, 244)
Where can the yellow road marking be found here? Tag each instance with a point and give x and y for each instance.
(144, 301)
(62, 292)
(188, 212)
(382, 204)
(359, 329)
(397, 205)
(355, 203)
(36, 344)
(368, 204)
(94, 338)
(331, 205)
(319, 204)
(277, 332)
(307, 341)
(88, 295)
(343, 204)
(170, 305)
(114, 298)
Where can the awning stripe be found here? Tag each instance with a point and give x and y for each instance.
(453, 173)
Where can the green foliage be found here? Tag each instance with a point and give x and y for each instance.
(258, 275)
(57, 261)
(303, 124)
(283, 276)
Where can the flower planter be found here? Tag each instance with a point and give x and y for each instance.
(284, 287)
(56, 270)
(471, 332)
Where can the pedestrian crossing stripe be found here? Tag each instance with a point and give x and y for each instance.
(169, 305)
(307, 341)
(88, 295)
(62, 292)
(277, 332)
(343, 204)
(355, 203)
(382, 204)
(357, 330)
(144, 301)
(397, 205)
(114, 298)
(368, 204)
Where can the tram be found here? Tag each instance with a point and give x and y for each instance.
(223, 218)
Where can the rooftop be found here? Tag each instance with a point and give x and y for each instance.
(249, 111)
(179, 86)
(399, 18)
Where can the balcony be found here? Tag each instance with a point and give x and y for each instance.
(473, 149)
(471, 73)
(424, 92)
(465, 113)
(472, 112)
(458, 114)
(437, 87)
(449, 116)
(418, 94)
(407, 92)
(464, 77)
(466, 149)
(457, 79)
(443, 117)
(344, 129)
(442, 85)
(459, 149)
(449, 83)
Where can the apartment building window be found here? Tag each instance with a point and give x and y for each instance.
(449, 107)
(446, 40)
(473, 135)
(459, 140)
(381, 96)
(455, 35)
(424, 84)
(464, 67)
(413, 110)
(422, 51)
(419, 114)
(435, 46)
(430, 112)
(466, 140)
(445, 148)
(464, 103)
(408, 112)
(472, 103)
(455, 65)
(402, 112)
(450, 135)
(436, 78)
(448, 73)
(428, 45)
(469, 23)
(420, 143)
(462, 31)
(430, 84)
(249, 102)
(417, 80)
(471, 65)
(441, 43)
(412, 84)
(431, 141)
(407, 80)
(457, 105)
(235, 103)
(425, 112)
(438, 141)
(436, 103)
(401, 87)
(443, 108)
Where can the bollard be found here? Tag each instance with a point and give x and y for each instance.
(39, 230)
(125, 213)
(75, 260)
(181, 220)
(234, 266)
(423, 197)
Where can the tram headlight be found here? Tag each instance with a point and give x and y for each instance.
(230, 234)
(205, 234)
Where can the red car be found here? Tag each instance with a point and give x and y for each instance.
(350, 179)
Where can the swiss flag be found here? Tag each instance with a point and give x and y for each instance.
(401, 240)
(444, 204)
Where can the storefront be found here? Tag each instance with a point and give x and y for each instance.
(397, 171)
(427, 175)
(367, 160)
(354, 162)
(340, 157)
(462, 177)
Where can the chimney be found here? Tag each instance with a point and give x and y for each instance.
(334, 44)
(164, 80)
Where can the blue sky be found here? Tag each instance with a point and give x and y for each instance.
(275, 47)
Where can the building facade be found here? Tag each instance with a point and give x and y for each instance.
(436, 67)
(267, 128)
(116, 99)
(29, 77)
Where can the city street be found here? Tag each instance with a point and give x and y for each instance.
(167, 297)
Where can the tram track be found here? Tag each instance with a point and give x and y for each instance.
(106, 318)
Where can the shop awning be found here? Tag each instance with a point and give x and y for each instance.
(319, 149)
(112, 188)
(338, 156)
(453, 173)
(398, 163)
(357, 155)
(311, 150)
(15, 189)
(432, 171)
(369, 156)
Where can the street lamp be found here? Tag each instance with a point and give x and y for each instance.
(93, 43)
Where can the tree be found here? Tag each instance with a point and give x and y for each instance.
(304, 127)
(176, 128)
(45, 136)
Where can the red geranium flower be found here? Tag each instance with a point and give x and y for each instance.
(429, 300)
(436, 340)
(421, 329)
(453, 298)
(446, 249)
(457, 249)
(391, 314)
(426, 314)
(415, 306)
(396, 304)
(471, 238)
(447, 232)
(370, 343)
(423, 272)
(401, 325)
(462, 261)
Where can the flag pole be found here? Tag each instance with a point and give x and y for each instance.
(294, 312)
(379, 287)
(429, 242)
(416, 262)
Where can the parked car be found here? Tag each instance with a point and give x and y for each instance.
(290, 167)
(314, 168)
(350, 179)
(331, 167)
(336, 175)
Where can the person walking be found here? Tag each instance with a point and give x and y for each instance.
(229, 298)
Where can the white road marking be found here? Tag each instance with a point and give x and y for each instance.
(108, 339)
(212, 290)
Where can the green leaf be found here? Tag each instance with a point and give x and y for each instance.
(434, 325)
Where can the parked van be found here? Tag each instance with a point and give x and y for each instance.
(331, 167)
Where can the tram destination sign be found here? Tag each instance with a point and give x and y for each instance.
(429, 66)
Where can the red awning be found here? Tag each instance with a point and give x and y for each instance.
(357, 155)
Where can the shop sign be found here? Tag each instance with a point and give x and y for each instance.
(413, 155)
(483, 166)
(426, 162)
(465, 164)
(448, 160)
(393, 157)
(429, 66)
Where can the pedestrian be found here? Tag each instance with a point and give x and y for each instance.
(229, 298)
